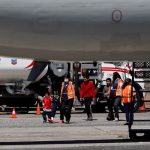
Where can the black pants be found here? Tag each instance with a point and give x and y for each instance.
(128, 107)
(65, 109)
(110, 109)
(117, 101)
(46, 113)
(54, 108)
(88, 110)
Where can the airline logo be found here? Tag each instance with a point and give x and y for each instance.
(13, 61)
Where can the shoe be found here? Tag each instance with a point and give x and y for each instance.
(67, 122)
(51, 121)
(90, 119)
(127, 123)
(116, 119)
(60, 121)
(109, 119)
(44, 121)
(87, 119)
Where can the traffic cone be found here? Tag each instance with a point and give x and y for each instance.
(38, 111)
(13, 114)
(143, 106)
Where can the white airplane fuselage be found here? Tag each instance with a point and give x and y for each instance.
(75, 30)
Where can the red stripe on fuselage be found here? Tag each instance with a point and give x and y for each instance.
(114, 69)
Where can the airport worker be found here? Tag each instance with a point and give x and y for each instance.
(87, 94)
(47, 108)
(116, 93)
(106, 92)
(128, 101)
(67, 96)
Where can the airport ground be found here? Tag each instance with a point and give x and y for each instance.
(27, 131)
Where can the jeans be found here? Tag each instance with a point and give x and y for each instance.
(129, 112)
(46, 113)
(117, 101)
(110, 109)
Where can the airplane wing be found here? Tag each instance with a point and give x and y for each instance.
(75, 30)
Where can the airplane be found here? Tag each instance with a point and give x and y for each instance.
(75, 30)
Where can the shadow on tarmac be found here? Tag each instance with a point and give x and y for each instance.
(74, 142)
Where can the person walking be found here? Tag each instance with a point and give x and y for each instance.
(116, 93)
(67, 96)
(47, 105)
(106, 92)
(128, 101)
(87, 94)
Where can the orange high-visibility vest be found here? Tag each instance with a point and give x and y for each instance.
(119, 88)
(126, 94)
(70, 90)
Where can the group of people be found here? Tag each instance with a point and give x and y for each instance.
(116, 92)
(66, 100)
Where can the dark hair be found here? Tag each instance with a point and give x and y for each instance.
(116, 75)
(108, 79)
(126, 82)
(67, 76)
(86, 76)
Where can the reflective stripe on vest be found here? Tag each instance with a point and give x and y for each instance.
(126, 94)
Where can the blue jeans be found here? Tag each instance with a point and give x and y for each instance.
(117, 101)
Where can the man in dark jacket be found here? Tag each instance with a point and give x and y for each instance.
(87, 93)
(107, 92)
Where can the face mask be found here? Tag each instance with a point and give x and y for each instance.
(66, 80)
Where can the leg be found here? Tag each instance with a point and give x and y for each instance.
(49, 114)
(127, 111)
(88, 108)
(68, 111)
(131, 114)
(44, 116)
(110, 109)
(54, 108)
(117, 101)
(62, 111)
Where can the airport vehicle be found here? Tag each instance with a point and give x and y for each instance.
(100, 71)
(16, 90)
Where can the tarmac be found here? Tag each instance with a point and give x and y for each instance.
(27, 131)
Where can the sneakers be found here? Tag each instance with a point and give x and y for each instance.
(51, 121)
(60, 121)
(44, 121)
(116, 119)
(127, 123)
(67, 121)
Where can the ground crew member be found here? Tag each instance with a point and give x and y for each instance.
(47, 102)
(67, 96)
(116, 93)
(126, 99)
(87, 93)
(106, 92)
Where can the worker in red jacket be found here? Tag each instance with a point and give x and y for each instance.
(87, 93)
